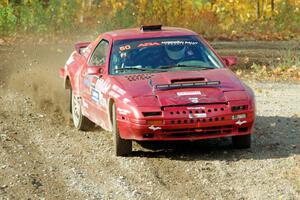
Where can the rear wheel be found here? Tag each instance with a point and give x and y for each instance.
(121, 147)
(80, 122)
(242, 141)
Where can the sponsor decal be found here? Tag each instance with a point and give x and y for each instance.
(197, 115)
(190, 42)
(114, 94)
(102, 101)
(194, 100)
(126, 101)
(239, 122)
(123, 111)
(102, 85)
(123, 55)
(125, 47)
(149, 44)
(95, 95)
(87, 82)
(195, 108)
(179, 42)
(154, 128)
(188, 93)
(200, 115)
(85, 104)
(118, 90)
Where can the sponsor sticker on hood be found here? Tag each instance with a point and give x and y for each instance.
(188, 93)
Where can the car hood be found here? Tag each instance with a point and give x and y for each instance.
(142, 87)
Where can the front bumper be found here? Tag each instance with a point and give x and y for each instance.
(180, 124)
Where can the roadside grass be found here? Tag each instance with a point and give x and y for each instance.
(284, 68)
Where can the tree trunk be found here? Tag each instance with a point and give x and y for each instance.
(257, 9)
(82, 10)
(90, 3)
(272, 6)
(262, 8)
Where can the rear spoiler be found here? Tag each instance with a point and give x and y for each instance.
(79, 47)
(185, 85)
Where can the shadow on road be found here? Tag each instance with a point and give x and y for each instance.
(274, 137)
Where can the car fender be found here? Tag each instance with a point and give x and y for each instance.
(71, 73)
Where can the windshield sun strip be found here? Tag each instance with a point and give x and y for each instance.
(185, 38)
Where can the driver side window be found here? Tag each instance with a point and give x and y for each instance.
(99, 55)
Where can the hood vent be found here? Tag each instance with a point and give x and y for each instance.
(187, 85)
(185, 80)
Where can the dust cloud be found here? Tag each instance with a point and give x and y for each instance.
(34, 70)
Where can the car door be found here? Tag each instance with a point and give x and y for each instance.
(93, 85)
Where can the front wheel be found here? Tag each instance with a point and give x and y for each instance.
(121, 147)
(80, 121)
(242, 141)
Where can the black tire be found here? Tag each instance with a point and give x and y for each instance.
(241, 142)
(79, 120)
(121, 147)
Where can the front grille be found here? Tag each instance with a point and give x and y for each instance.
(194, 132)
(195, 121)
(209, 109)
(196, 114)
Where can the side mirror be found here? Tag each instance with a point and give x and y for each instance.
(230, 60)
(94, 70)
(79, 47)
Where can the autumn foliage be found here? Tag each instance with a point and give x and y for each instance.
(231, 19)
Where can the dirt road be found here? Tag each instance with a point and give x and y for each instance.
(43, 157)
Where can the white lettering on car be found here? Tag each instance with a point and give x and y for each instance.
(85, 104)
(179, 42)
(113, 94)
(102, 85)
(126, 101)
(154, 128)
(194, 100)
(188, 93)
(102, 101)
(95, 95)
(198, 115)
(239, 122)
(123, 111)
(195, 108)
(118, 90)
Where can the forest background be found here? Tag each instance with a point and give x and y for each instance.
(224, 19)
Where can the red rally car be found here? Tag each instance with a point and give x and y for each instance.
(157, 83)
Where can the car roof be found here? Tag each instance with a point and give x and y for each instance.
(135, 33)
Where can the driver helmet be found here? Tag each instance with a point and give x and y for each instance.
(175, 52)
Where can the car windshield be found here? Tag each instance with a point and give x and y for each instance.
(161, 55)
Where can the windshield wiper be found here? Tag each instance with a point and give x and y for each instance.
(140, 69)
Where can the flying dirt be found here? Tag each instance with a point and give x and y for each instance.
(43, 156)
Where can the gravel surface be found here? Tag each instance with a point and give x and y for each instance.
(43, 157)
